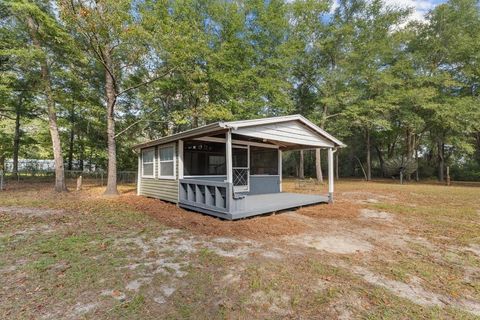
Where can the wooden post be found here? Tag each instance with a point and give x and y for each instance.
(79, 182)
(330, 175)
(448, 175)
(228, 154)
(301, 173)
(318, 165)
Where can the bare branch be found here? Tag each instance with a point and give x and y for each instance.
(138, 121)
(333, 115)
(138, 85)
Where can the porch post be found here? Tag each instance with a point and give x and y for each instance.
(228, 155)
(180, 159)
(139, 171)
(330, 175)
(280, 167)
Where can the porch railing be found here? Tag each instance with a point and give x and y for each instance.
(210, 195)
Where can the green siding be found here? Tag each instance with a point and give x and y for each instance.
(164, 189)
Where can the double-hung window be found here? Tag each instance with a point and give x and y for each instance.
(148, 162)
(166, 167)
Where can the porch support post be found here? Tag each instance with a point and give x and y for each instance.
(228, 154)
(330, 175)
(280, 167)
(180, 159)
(139, 172)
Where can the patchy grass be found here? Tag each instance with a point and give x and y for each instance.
(83, 255)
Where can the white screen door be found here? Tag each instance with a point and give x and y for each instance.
(241, 168)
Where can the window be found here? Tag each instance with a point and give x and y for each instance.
(204, 158)
(148, 159)
(263, 161)
(166, 162)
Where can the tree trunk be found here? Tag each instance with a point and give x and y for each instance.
(477, 139)
(410, 148)
(81, 153)
(417, 175)
(351, 160)
(60, 185)
(72, 139)
(441, 160)
(369, 156)
(111, 95)
(301, 171)
(380, 159)
(318, 165)
(16, 143)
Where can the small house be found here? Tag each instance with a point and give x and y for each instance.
(232, 169)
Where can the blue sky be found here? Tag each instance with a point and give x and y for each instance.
(421, 7)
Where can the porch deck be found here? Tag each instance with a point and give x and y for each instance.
(261, 204)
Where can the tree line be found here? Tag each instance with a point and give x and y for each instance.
(83, 81)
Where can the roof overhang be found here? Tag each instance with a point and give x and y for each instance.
(290, 132)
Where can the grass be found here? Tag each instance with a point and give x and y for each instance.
(63, 260)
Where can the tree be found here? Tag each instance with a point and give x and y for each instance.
(446, 46)
(113, 35)
(47, 38)
(371, 59)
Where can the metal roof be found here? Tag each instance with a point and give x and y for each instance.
(226, 125)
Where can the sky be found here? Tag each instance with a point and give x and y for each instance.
(420, 7)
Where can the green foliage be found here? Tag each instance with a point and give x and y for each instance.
(362, 71)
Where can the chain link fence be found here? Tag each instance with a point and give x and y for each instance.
(98, 177)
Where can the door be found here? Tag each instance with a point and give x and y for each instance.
(240, 168)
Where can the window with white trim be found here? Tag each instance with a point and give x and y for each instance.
(148, 162)
(166, 162)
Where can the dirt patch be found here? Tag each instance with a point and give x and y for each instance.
(414, 292)
(82, 309)
(273, 302)
(38, 229)
(116, 294)
(475, 248)
(340, 244)
(170, 255)
(377, 215)
(365, 197)
(31, 212)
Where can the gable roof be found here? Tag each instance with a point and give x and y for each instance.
(240, 126)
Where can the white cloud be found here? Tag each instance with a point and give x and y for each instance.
(420, 7)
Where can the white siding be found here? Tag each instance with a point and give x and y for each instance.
(290, 132)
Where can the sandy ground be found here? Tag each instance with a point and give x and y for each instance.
(360, 244)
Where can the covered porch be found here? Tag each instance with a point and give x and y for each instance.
(237, 172)
(252, 205)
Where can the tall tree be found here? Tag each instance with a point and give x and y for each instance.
(47, 38)
(111, 32)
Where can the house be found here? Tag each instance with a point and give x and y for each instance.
(231, 170)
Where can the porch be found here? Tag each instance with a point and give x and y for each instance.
(214, 198)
